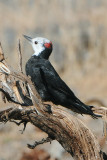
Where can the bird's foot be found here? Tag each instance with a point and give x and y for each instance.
(48, 108)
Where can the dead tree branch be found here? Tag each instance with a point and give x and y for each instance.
(60, 125)
(48, 139)
(20, 57)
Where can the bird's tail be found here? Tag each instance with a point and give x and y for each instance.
(93, 115)
(85, 109)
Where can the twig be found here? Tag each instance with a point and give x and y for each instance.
(32, 146)
(20, 57)
(1, 53)
(19, 123)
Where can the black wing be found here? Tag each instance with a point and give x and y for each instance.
(61, 93)
(53, 81)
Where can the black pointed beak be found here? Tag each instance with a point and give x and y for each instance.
(28, 38)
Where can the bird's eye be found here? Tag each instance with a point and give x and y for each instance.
(36, 42)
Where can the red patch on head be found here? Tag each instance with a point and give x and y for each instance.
(48, 45)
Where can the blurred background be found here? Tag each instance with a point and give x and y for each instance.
(78, 31)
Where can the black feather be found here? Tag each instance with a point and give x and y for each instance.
(52, 88)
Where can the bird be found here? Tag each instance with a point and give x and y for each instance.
(48, 83)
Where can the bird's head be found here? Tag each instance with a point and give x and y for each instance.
(42, 46)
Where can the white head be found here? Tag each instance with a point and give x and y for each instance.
(40, 45)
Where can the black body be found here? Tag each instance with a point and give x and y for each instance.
(51, 87)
